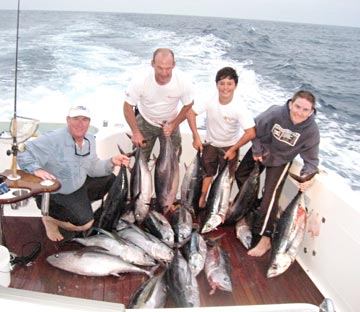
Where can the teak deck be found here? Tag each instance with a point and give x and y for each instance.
(250, 285)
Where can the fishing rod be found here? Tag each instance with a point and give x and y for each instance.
(14, 147)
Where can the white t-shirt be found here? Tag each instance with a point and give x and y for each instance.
(159, 103)
(225, 124)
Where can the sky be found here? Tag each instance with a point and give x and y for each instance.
(326, 12)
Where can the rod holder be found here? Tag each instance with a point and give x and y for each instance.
(45, 204)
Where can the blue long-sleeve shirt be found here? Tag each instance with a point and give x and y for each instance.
(54, 152)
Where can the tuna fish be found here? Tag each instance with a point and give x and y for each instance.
(159, 226)
(243, 229)
(115, 203)
(118, 247)
(93, 261)
(288, 236)
(181, 222)
(166, 175)
(148, 242)
(218, 200)
(151, 294)
(141, 188)
(182, 283)
(191, 185)
(195, 251)
(217, 269)
(246, 199)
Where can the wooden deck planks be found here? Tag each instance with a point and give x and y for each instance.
(250, 285)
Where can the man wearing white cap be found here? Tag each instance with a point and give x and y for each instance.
(69, 155)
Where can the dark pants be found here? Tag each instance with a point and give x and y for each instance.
(76, 207)
(274, 181)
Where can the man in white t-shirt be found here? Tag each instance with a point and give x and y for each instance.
(229, 125)
(156, 93)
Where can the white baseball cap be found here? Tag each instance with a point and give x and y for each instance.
(79, 110)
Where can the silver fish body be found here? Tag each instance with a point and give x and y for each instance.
(217, 269)
(243, 229)
(141, 187)
(151, 294)
(87, 262)
(195, 251)
(218, 200)
(148, 242)
(246, 199)
(191, 185)
(181, 222)
(167, 174)
(115, 203)
(118, 247)
(158, 225)
(182, 283)
(288, 236)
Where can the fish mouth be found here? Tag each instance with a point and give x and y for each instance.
(279, 266)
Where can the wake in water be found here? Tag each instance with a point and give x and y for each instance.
(78, 57)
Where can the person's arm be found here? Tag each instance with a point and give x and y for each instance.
(191, 117)
(310, 158)
(172, 125)
(137, 137)
(246, 137)
(36, 154)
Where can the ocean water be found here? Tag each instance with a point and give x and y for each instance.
(79, 57)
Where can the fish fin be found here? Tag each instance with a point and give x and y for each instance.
(212, 241)
(302, 179)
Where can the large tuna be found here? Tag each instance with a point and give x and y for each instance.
(218, 269)
(115, 203)
(288, 236)
(151, 294)
(243, 229)
(158, 225)
(166, 175)
(218, 200)
(246, 199)
(195, 251)
(182, 224)
(148, 242)
(191, 185)
(182, 283)
(118, 247)
(93, 261)
(141, 189)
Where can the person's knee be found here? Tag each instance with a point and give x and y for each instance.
(86, 226)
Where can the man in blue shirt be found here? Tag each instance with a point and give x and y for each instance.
(69, 155)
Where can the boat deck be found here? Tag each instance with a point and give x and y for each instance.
(250, 285)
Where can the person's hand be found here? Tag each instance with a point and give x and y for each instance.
(197, 144)
(44, 175)
(138, 139)
(305, 185)
(258, 158)
(120, 159)
(230, 154)
(168, 129)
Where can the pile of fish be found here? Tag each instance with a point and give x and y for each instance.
(172, 256)
(162, 242)
(161, 239)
